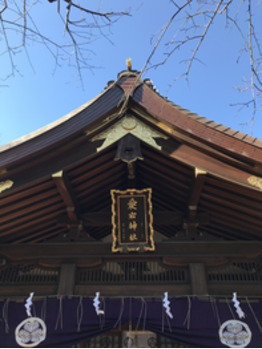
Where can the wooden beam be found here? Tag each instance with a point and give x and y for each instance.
(188, 251)
(133, 290)
(248, 289)
(22, 291)
(243, 290)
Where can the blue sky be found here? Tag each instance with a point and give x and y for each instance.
(36, 97)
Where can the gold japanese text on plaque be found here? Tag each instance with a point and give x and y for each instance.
(132, 220)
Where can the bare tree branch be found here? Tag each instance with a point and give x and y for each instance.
(195, 20)
(179, 9)
(106, 15)
(9, 49)
(163, 31)
(203, 36)
(254, 73)
(25, 23)
(4, 7)
(15, 17)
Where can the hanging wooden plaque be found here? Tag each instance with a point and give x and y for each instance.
(132, 220)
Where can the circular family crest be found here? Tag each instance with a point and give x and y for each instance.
(129, 123)
(235, 334)
(30, 332)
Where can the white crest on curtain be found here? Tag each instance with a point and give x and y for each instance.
(235, 334)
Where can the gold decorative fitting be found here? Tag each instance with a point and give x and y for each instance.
(129, 63)
(198, 171)
(255, 181)
(6, 185)
(58, 174)
(129, 124)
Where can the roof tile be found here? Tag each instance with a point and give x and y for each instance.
(204, 120)
(193, 116)
(249, 139)
(222, 128)
(231, 132)
(212, 124)
(258, 143)
(240, 135)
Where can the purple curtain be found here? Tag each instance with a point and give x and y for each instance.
(195, 323)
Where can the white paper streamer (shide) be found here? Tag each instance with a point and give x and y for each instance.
(96, 304)
(28, 304)
(166, 305)
(239, 311)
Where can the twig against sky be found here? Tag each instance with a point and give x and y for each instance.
(19, 28)
(190, 25)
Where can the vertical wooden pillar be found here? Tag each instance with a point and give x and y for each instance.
(198, 279)
(67, 280)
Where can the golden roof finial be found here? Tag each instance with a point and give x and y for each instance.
(129, 63)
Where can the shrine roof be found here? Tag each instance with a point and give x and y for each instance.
(55, 183)
(144, 93)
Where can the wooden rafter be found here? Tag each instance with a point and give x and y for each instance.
(43, 216)
(24, 176)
